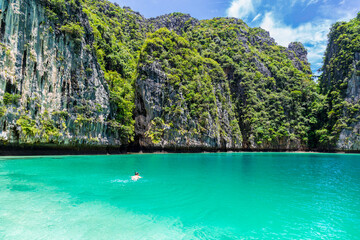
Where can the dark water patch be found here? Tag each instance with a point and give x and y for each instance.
(20, 176)
(22, 188)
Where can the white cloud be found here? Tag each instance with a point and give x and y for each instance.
(314, 35)
(307, 32)
(315, 55)
(312, 2)
(304, 2)
(256, 17)
(241, 8)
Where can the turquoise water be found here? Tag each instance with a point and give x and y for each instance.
(181, 196)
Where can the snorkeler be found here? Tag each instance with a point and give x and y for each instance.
(135, 177)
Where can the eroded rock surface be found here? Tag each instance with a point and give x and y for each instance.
(51, 85)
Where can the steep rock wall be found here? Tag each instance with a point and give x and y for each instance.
(208, 84)
(270, 87)
(177, 22)
(298, 55)
(340, 84)
(182, 100)
(51, 85)
(349, 138)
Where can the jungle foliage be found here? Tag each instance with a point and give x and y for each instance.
(118, 38)
(271, 96)
(197, 84)
(276, 104)
(339, 109)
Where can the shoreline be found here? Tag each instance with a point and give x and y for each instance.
(59, 150)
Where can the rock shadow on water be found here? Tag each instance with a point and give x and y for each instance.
(19, 176)
(22, 188)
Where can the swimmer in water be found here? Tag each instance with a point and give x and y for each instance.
(135, 177)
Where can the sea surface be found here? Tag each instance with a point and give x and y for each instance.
(181, 196)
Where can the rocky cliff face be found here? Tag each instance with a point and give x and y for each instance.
(90, 72)
(271, 92)
(340, 82)
(52, 88)
(182, 109)
(298, 55)
(349, 138)
(260, 89)
(177, 22)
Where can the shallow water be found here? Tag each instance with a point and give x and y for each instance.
(181, 196)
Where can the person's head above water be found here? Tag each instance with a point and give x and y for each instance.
(136, 176)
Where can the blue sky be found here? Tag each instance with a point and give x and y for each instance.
(307, 21)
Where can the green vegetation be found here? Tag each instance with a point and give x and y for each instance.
(2, 111)
(75, 30)
(45, 130)
(204, 66)
(50, 130)
(156, 130)
(62, 11)
(212, 79)
(28, 128)
(271, 96)
(340, 65)
(118, 39)
(192, 80)
(11, 99)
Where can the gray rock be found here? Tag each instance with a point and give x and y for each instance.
(349, 139)
(177, 22)
(298, 55)
(57, 78)
(154, 94)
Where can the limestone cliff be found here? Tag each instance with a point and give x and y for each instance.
(340, 83)
(88, 72)
(51, 85)
(270, 85)
(298, 54)
(177, 22)
(349, 138)
(182, 100)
